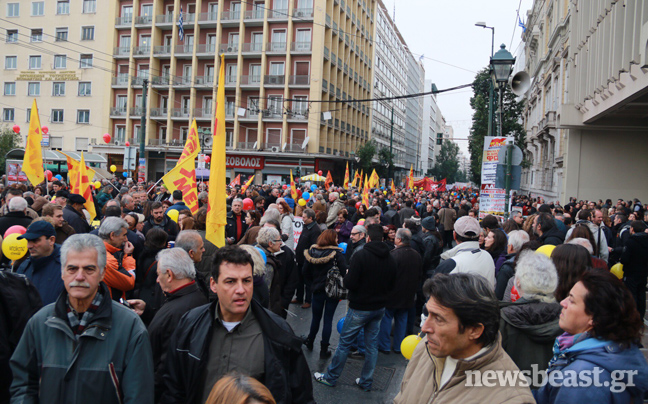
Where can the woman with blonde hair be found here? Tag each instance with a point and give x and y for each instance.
(239, 389)
(528, 226)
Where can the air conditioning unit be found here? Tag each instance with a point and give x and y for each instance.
(274, 149)
(273, 80)
(300, 14)
(117, 143)
(231, 49)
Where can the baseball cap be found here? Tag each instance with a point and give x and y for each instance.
(466, 225)
(37, 229)
(429, 223)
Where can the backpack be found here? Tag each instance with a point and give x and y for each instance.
(19, 301)
(335, 283)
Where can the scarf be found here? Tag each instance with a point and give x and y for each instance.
(78, 326)
(564, 342)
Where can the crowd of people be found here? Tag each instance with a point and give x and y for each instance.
(138, 306)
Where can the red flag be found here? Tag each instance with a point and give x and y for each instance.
(329, 180)
(237, 181)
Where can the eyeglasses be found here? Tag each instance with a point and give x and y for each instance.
(277, 241)
(356, 233)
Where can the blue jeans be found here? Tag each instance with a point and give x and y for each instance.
(321, 303)
(357, 320)
(400, 317)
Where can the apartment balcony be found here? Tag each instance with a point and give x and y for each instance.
(228, 49)
(252, 48)
(207, 20)
(156, 142)
(184, 51)
(301, 47)
(271, 114)
(206, 50)
(121, 52)
(296, 80)
(160, 81)
(123, 22)
(137, 111)
(328, 21)
(164, 21)
(117, 112)
(299, 115)
(182, 81)
(250, 81)
(138, 81)
(230, 18)
(162, 51)
(303, 13)
(246, 145)
(159, 113)
(203, 114)
(279, 14)
(143, 20)
(251, 115)
(327, 55)
(254, 17)
(295, 148)
(205, 81)
(121, 80)
(179, 113)
(141, 51)
(274, 80)
(324, 86)
(276, 47)
(188, 19)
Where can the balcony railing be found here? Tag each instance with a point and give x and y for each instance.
(159, 112)
(254, 14)
(296, 80)
(137, 111)
(141, 50)
(180, 112)
(303, 13)
(253, 47)
(278, 14)
(143, 20)
(206, 48)
(203, 113)
(205, 80)
(183, 49)
(182, 81)
(120, 80)
(295, 148)
(231, 16)
(251, 80)
(230, 80)
(121, 51)
(276, 47)
(246, 145)
(205, 17)
(228, 48)
(162, 50)
(274, 80)
(188, 18)
(301, 46)
(118, 111)
(124, 21)
(164, 19)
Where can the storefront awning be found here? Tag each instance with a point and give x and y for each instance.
(56, 156)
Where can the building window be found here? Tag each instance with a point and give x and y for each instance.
(85, 89)
(83, 116)
(56, 142)
(61, 34)
(87, 33)
(13, 10)
(38, 8)
(10, 88)
(62, 7)
(37, 35)
(33, 89)
(60, 62)
(12, 36)
(120, 133)
(8, 114)
(58, 89)
(10, 62)
(86, 61)
(28, 115)
(81, 143)
(57, 116)
(34, 62)
(89, 6)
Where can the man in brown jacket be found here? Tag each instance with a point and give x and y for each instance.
(461, 359)
(447, 217)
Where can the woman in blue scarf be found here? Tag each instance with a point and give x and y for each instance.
(597, 359)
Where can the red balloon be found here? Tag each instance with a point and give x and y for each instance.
(48, 175)
(248, 204)
(127, 144)
(319, 172)
(207, 159)
(15, 229)
(45, 129)
(358, 205)
(285, 186)
(16, 128)
(107, 137)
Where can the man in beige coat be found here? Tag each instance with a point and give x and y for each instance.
(461, 359)
(447, 217)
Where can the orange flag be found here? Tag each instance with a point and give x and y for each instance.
(329, 180)
(33, 159)
(365, 193)
(247, 184)
(183, 175)
(345, 184)
(237, 181)
(217, 210)
(82, 186)
(393, 187)
(410, 183)
(293, 189)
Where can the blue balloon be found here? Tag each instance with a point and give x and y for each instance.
(125, 174)
(313, 187)
(382, 187)
(340, 324)
(343, 246)
(265, 258)
(58, 177)
(305, 196)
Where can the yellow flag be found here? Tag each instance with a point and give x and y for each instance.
(183, 178)
(247, 184)
(411, 178)
(293, 189)
(365, 193)
(82, 186)
(73, 169)
(33, 159)
(217, 210)
(192, 145)
(393, 187)
(374, 180)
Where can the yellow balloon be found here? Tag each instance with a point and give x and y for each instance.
(113, 168)
(384, 192)
(302, 202)
(546, 249)
(13, 248)
(173, 215)
(97, 184)
(617, 270)
(408, 345)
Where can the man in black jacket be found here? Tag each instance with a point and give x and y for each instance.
(234, 333)
(236, 225)
(176, 277)
(545, 228)
(310, 233)
(73, 214)
(370, 279)
(159, 219)
(635, 264)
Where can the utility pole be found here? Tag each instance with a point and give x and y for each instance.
(391, 144)
(491, 90)
(142, 158)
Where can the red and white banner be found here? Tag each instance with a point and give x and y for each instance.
(249, 162)
(427, 184)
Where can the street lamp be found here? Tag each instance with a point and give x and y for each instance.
(490, 87)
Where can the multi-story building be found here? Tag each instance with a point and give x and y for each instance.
(595, 85)
(414, 114)
(431, 129)
(57, 53)
(546, 60)
(293, 69)
(390, 79)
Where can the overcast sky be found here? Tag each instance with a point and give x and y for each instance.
(445, 31)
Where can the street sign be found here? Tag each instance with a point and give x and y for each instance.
(500, 176)
(517, 156)
(130, 158)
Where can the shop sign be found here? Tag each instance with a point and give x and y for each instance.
(248, 162)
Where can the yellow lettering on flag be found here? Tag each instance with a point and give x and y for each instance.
(33, 159)
(81, 185)
(183, 175)
(293, 190)
(247, 184)
(217, 210)
(346, 177)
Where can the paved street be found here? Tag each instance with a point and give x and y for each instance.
(387, 377)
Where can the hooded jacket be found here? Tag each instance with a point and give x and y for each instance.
(45, 274)
(552, 236)
(529, 329)
(600, 358)
(635, 256)
(318, 261)
(371, 277)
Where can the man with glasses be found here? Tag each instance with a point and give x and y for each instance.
(462, 343)
(358, 240)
